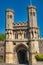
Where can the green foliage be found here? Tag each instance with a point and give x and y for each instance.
(39, 57)
(2, 37)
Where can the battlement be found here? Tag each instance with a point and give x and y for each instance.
(20, 24)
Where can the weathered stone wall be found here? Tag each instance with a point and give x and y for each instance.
(41, 45)
(2, 51)
(38, 63)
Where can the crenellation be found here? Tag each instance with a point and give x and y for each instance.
(20, 24)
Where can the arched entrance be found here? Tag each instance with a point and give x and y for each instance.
(22, 54)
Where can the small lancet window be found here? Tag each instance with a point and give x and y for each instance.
(24, 35)
(10, 16)
(30, 13)
(34, 13)
(16, 36)
(32, 34)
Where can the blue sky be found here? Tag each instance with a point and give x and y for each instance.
(20, 8)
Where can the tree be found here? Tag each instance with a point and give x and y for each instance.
(2, 37)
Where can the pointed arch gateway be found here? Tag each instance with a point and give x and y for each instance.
(22, 54)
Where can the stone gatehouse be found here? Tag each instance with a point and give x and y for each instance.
(22, 39)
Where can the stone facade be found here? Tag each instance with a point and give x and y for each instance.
(22, 39)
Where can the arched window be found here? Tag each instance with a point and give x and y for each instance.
(34, 13)
(24, 35)
(32, 35)
(16, 36)
(10, 16)
(30, 13)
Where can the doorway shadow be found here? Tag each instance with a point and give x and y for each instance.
(22, 57)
